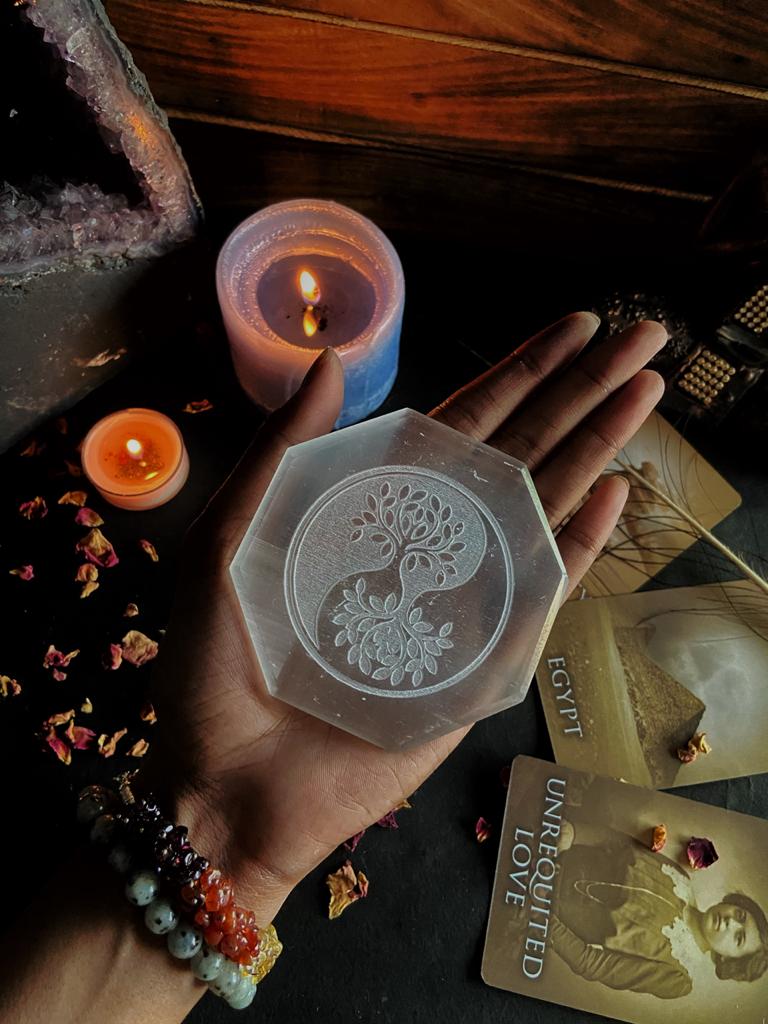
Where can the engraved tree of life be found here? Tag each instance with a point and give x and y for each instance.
(419, 536)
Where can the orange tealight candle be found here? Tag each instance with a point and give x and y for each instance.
(136, 458)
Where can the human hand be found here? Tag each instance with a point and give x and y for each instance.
(269, 791)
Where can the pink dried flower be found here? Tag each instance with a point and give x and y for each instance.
(701, 853)
(482, 830)
(149, 548)
(97, 549)
(87, 517)
(34, 509)
(113, 659)
(138, 649)
(351, 843)
(24, 572)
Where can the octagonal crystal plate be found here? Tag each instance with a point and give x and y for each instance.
(399, 579)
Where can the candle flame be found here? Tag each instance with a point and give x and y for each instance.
(310, 289)
(134, 448)
(309, 322)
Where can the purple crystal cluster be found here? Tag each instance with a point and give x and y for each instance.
(55, 222)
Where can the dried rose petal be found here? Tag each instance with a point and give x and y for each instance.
(24, 572)
(659, 838)
(351, 843)
(482, 830)
(695, 746)
(687, 754)
(97, 549)
(147, 714)
(138, 649)
(107, 744)
(87, 517)
(83, 738)
(139, 749)
(72, 468)
(701, 853)
(699, 743)
(149, 548)
(56, 661)
(34, 448)
(131, 609)
(59, 718)
(78, 498)
(389, 820)
(61, 425)
(87, 574)
(203, 405)
(86, 707)
(34, 509)
(346, 888)
(113, 658)
(9, 687)
(58, 746)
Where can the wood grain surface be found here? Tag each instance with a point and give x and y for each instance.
(437, 196)
(304, 76)
(721, 39)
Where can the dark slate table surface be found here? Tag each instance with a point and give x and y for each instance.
(412, 950)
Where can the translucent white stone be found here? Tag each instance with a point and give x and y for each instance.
(184, 941)
(399, 579)
(160, 917)
(141, 888)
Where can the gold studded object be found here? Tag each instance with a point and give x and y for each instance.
(753, 313)
(705, 376)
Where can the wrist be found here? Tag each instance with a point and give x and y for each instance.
(212, 821)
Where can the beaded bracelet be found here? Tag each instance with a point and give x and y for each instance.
(184, 898)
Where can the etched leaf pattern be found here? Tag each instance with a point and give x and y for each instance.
(420, 532)
(413, 524)
(384, 643)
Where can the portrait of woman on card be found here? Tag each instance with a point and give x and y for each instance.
(628, 918)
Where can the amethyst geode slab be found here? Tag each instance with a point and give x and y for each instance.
(46, 219)
(95, 199)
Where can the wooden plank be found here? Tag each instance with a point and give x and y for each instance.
(461, 202)
(314, 77)
(713, 38)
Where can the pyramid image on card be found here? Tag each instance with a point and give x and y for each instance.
(666, 713)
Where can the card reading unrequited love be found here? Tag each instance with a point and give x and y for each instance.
(627, 681)
(584, 914)
(667, 471)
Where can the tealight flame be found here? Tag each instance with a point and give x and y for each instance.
(309, 323)
(134, 448)
(310, 289)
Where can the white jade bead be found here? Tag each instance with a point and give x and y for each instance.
(141, 889)
(160, 917)
(184, 941)
(206, 963)
(227, 980)
(243, 995)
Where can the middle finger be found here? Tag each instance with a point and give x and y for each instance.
(533, 431)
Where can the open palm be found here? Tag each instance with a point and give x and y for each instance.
(267, 790)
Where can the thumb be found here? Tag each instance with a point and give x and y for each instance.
(311, 412)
